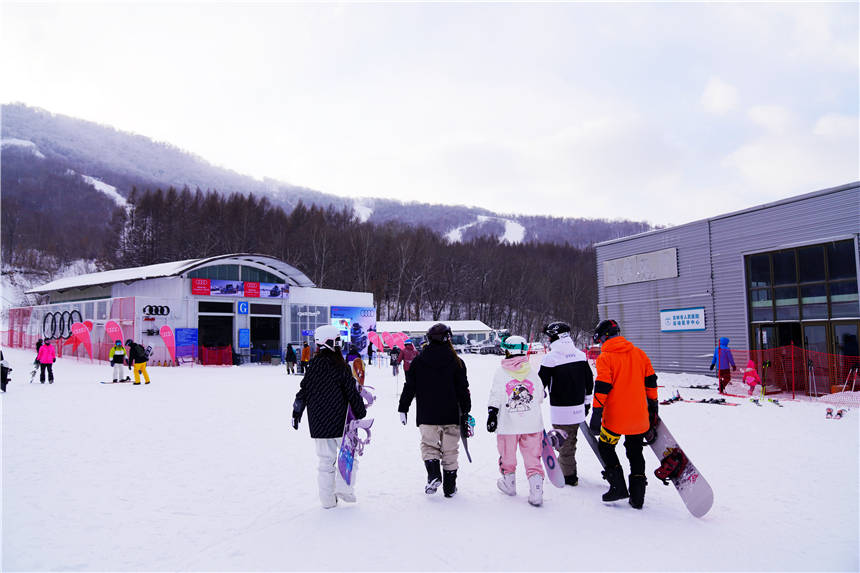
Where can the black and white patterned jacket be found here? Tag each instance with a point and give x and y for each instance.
(326, 390)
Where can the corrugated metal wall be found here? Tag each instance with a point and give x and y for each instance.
(717, 244)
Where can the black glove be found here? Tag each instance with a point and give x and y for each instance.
(712, 366)
(298, 407)
(734, 368)
(587, 408)
(652, 412)
(492, 419)
(596, 421)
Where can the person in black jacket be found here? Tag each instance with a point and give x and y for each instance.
(437, 380)
(137, 359)
(565, 372)
(4, 372)
(326, 390)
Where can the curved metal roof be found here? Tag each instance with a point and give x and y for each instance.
(291, 274)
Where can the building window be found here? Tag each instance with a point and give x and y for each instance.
(306, 318)
(254, 275)
(272, 309)
(218, 272)
(210, 306)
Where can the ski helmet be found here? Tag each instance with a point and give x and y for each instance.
(515, 345)
(555, 329)
(439, 332)
(128, 342)
(605, 329)
(117, 343)
(327, 336)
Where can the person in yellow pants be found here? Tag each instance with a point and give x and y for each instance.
(137, 357)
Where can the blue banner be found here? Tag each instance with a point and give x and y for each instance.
(186, 341)
(244, 338)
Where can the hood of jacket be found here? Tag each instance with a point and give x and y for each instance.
(565, 346)
(751, 365)
(724, 342)
(617, 344)
(517, 367)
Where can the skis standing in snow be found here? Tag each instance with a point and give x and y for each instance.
(514, 411)
(326, 390)
(722, 360)
(625, 402)
(565, 372)
(437, 381)
(117, 360)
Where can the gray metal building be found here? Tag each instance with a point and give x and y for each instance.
(769, 276)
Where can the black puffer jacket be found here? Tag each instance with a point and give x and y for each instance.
(326, 390)
(437, 380)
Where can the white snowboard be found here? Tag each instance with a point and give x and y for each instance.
(693, 488)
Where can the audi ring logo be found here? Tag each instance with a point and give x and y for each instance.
(59, 324)
(154, 310)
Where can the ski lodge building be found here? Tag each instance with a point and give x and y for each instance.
(248, 304)
(782, 275)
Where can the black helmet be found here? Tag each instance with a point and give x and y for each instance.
(605, 329)
(439, 333)
(555, 329)
(128, 342)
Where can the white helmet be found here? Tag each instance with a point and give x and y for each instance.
(328, 336)
(515, 345)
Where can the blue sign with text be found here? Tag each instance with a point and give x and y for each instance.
(244, 338)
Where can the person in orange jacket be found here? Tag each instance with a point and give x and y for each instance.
(306, 357)
(625, 403)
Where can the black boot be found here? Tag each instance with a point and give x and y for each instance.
(617, 487)
(571, 480)
(449, 482)
(637, 490)
(434, 476)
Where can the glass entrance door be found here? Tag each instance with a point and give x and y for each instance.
(845, 344)
(815, 350)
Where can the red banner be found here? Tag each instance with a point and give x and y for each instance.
(169, 341)
(252, 289)
(200, 286)
(81, 334)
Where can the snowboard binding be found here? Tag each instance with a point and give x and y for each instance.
(839, 414)
(557, 438)
(829, 413)
(673, 399)
(353, 439)
(468, 427)
(671, 466)
(367, 396)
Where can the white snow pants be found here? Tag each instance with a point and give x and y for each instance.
(331, 484)
(118, 372)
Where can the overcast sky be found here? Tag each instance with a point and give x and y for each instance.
(658, 112)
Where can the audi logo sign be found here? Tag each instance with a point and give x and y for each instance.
(154, 310)
(59, 324)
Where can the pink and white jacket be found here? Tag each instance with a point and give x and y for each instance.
(518, 394)
(47, 354)
(751, 377)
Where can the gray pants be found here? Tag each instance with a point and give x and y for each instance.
(440, 443)
(566, 454)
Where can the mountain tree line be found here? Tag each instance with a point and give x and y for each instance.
(413, 273)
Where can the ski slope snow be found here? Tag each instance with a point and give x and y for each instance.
(201, 471)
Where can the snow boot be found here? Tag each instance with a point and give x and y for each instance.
(536, 490)
(617, 487)
(508, 483)
(449, 482)
(434, 476)
(571, 480)
(637, 490)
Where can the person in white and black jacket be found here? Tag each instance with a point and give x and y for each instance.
(326, 390)
(567, 375)
(437, 381)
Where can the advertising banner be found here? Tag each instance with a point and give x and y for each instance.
(113, 332)
(682, 319)
(274, 290)
(386, 338)
(374, 339)
(200, 286)
(186, 342)
(244, 338)
(252, 289)
(355, 322)
(220, 287)
(169, 341)
(81, 334)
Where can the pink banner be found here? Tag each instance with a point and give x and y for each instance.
(89, 324)
(374, 339)
(114, 333)
(386, 338)
(81, 334)
(169, 341)
(399, 339)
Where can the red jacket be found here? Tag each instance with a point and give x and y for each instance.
(625, 382)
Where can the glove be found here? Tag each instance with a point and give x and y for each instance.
(652, 412)
(712, 366)
(587, 408)
(403, 418)
(296, 419)
(492, 419)
(596, 421)
(734, 368)
(298, 407)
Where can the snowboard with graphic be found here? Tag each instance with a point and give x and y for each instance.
(550, 462)
(693, 488)
(592, 441)
(352, 444)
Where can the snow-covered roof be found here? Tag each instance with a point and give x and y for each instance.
(294, 276)
(424, 325)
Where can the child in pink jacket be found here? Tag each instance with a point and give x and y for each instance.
(515, 411)
(46, 358)
(751, 377)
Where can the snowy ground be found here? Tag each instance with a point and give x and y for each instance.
(201, 470)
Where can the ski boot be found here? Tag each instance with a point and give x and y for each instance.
(536, 490)
(434, 476)
(508, 483)
(638, 482)
(829, 413)
(617, 487)
(449, 482)
(571, 480)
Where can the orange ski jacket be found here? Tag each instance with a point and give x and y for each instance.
(625, 382)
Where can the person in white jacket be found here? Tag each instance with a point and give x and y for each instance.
(514, 412)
